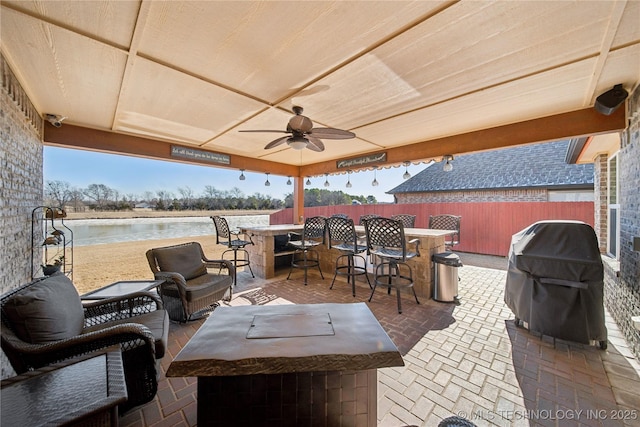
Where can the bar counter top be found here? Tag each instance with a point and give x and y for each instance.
(263, 253)
(280, 229)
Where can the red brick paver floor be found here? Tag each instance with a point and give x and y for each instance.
(464, 359)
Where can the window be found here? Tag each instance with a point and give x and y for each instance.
(613, 227)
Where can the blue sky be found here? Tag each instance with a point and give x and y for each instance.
(132, 175)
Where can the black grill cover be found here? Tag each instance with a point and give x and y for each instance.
(555, 281)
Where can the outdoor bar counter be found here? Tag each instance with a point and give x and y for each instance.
(306, 364)
(262, 254)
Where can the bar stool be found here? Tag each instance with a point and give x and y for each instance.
(342, 236)
(312, 235)
(409, 221)
(235, 245)
(365, 217)
(447, 222)
(385, 240)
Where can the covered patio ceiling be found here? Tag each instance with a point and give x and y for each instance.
(412, 79)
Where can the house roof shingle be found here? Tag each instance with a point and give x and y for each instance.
(528, 166)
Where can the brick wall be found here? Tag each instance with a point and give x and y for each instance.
(600, 200)
(519, 195)
(622, 287)
(20, 191)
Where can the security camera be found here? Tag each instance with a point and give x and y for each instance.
(55, 119)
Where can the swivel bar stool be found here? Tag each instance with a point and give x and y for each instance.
(342, 236)
(224, 236)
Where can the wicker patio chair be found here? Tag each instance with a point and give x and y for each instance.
(44, 322)
(342, 236)
(447, 222)
(189, 290)
(386, 242)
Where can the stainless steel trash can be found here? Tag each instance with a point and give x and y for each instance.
(446, 276)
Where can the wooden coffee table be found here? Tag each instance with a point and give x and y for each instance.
(307, 364)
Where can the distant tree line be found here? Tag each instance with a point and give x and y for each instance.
(100, 197)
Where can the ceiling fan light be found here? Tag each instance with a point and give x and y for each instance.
(297, 142)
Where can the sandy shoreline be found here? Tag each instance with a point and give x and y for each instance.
(95, 266)
(147, 213)
(99, 265)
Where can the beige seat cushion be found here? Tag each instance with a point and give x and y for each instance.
(48, 311)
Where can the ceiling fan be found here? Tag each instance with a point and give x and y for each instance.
(303, 135)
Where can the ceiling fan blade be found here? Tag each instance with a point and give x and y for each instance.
(276, 142)
(331, 133)
(276, 131)
(314, 144)
(300, 123)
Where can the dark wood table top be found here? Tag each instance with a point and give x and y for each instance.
(64, 392)
(286, 338)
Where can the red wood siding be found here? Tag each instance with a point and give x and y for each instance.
(486, 228)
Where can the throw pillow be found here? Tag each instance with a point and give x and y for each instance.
(47, 311)
(184, 259)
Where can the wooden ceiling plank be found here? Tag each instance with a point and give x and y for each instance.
(605, 48)
(138, 31)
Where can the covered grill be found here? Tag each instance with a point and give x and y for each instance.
(555, 281)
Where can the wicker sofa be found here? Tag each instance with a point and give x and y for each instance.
(44, 322)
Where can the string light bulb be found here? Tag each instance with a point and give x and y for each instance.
(289, 181)
(406, 174)
(374, 183)
(349, 185)
(448, 167)
(326, 180)
(267, 183)
(308, 182)
(242, 177)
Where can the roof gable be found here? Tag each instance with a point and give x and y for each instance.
(527, 166)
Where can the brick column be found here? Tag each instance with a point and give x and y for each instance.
(600, 200)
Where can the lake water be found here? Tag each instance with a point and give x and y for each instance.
(101, 231)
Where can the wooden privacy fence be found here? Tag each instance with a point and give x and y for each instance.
(486, 228)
